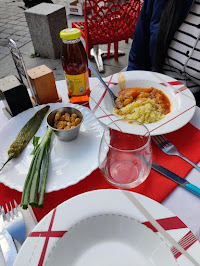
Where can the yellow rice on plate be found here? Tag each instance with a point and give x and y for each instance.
(146, 112)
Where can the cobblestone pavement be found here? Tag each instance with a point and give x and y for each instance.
(13, 25)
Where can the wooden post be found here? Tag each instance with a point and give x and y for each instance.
(43, 83)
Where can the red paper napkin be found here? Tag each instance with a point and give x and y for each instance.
(156, 186)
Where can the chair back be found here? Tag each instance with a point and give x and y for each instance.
(108, 21)
(21, 67)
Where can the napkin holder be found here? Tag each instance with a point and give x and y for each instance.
(14, 95)
(43, 83)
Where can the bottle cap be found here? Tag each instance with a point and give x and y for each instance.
(70, 34)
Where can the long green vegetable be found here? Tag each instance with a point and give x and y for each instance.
(26, 134)
(39, 162)
(44, 178)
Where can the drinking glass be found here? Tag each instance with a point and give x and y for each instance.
(125, 154)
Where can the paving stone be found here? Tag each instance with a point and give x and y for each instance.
(12, 13)
(4, 35)
(26, 30)
(19, 28)
(9, 31)
(13, 22)
(18, 15)
(19, 44)
(15, 37)
(2, 56)
(4, 20)
(9, 72)
(27, 49)
(21, 33)
(3, 9)
(4, 50)
(37, 61)
(28, 34)
(25, 39)
(22, 19)
(4, 16)
(23, 23)
(8, 26)
(7, 66)
(3, 42)
(2, 29)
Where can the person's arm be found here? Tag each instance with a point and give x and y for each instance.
(139, 52)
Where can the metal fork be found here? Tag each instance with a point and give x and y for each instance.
(167, 147)
(14, 222)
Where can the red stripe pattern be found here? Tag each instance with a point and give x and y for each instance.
(183, 88)
(46, 240)
(172, 223)
(100, 117)
(173, 83)
(106, 115)
(187, 241)
(100, 100)
(167, 223)
(173, 118)
(48, 235)
(104, 93)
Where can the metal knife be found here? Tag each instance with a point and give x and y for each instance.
(7, 245)
(176, 178)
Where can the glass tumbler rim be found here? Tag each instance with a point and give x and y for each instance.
(131, 150)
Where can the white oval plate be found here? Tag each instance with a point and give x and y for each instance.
(52, 232)
(182, 100)
(70, 162)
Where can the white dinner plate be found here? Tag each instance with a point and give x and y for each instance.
(103, 226)
(70, 162)
(182, 100)
(111, 240)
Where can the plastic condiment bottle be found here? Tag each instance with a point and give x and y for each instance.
(75, 65)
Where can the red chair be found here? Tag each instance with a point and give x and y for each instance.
(106, 22)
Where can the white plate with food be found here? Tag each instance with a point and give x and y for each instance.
(69, 163)
(153, 112)
(103, 227)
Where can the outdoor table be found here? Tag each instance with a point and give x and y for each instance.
(181, 202)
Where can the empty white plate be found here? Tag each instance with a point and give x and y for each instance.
(111, 240)
(91, 228)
